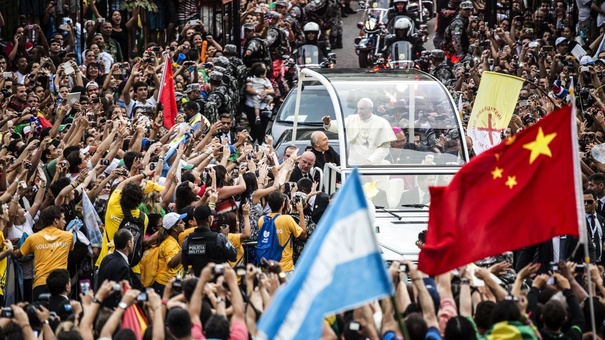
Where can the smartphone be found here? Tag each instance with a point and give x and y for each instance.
(7, 75)
(101, 19)
(523, 103)
(547, 48)
(142, 297)
(64, 27)
(84, 286)
(195, 22)
(584, 69)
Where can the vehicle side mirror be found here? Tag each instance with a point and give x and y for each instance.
(332, 56)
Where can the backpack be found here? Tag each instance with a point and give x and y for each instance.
(149, 265)
(136, 226)
(267, 246)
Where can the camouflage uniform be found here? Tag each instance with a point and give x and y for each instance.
(218, 100)
(229, 79)
(335, 17)
(260, 52)
(455, 40)
(298, 13)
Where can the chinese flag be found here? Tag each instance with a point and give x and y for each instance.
(167, 95)
(524, 191)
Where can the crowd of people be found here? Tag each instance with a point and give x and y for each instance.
(115, 225)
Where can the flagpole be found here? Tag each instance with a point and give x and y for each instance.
(582, 222)
(590, 300)
(402, 327)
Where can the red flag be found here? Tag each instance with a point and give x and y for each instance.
(167, 95)
(522, 192)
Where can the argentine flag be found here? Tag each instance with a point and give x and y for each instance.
(340, 268)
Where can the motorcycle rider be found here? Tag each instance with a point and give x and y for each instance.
(255, 48)
(455, 39)
(401, 32)
(312, 33)
(399, 8)
(441, 69)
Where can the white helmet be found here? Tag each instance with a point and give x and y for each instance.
(312, 27)
(403, 24)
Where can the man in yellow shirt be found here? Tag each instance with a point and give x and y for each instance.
(129, 195)
(286, 228)
(50, 246)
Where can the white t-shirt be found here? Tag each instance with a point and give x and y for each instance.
(134, 103)
(17, 231)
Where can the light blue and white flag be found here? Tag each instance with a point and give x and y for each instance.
(340, 268)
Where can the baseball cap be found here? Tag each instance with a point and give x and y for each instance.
(586, 60)
(216, 76)
(151, 186)
(189, 213)
(560, 40)
(248, 27)
(92, 83)
(171, 219)
(202, 213)
(466, 5)
(230, 48)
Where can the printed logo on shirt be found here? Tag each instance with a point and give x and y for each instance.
(197, 249)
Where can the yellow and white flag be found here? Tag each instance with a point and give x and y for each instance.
(493, 109)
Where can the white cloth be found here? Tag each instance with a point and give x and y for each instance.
(368, 140)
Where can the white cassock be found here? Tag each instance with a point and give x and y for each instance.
(368, 140)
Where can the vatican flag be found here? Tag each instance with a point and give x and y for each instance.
(493, 109)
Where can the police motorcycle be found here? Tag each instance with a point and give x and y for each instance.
(373, 30)
(309, 56)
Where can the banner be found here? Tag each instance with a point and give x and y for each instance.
(493, 109)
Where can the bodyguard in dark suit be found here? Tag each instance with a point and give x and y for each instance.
(596, 182)
(115, 266)
(544, 253)
(227, 130)
(59, 286)
(303, 169)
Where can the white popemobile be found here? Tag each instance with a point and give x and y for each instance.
(402, 130)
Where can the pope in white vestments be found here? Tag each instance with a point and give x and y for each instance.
(368, 135)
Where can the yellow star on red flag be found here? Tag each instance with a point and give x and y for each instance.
(540, 145)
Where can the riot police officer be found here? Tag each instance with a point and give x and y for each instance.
(255, 48)
(455, 39)
(277, 40)
(441, 69)
(218, 100)
(203, 245)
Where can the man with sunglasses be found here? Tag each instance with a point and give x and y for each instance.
(595, 224)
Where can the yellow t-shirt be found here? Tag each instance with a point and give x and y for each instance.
(3, 264)
(113, 218)
(168, 249)
(287, 228)
(184, 234)
(236, 241)
(50, 247)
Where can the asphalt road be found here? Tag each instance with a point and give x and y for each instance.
(346, 57)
